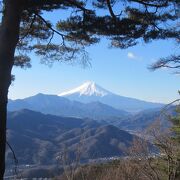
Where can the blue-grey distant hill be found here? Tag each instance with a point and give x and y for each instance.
(90, 91)
(88, 100)
(142, 120)
(56, 105)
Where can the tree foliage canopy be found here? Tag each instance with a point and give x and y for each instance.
(124, 22)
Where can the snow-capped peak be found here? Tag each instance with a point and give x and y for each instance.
(89, 88)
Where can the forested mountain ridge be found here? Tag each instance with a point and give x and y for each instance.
(39, 139)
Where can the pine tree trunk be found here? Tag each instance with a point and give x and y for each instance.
(9, 36)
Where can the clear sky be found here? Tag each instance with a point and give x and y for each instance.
(123, 72)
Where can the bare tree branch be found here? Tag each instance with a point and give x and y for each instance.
(14, 157)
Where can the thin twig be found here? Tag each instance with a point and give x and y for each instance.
(151, 5)
(29, 29)
(14, 157)
(50, 40)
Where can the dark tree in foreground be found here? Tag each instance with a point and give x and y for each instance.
(24, 29)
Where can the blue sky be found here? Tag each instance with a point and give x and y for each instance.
(123, 72)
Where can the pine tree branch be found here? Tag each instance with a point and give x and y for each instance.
(70, 3)
(29, 29)
(151, 5)
(51, 28)
(111, 10)
(79, 6)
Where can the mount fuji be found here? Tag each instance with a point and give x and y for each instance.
(90, 92)
(88, 100)
(89, 88)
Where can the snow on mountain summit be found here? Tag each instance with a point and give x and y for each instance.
(89, 88)
(91, 92)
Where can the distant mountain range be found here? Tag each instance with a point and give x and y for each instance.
(39, 139)
(88, 100)
(90, 91)
(56, 105)
(140, 122)
(144, 119)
